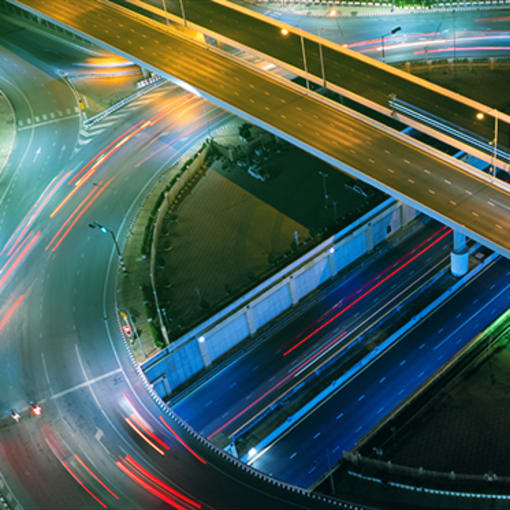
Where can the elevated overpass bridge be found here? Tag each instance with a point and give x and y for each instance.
(434, 110)
(430, 181)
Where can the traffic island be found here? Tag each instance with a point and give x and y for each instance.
(7, 129)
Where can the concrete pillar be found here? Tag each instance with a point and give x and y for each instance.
(459, 257)
(252, 327)
(293, 291)
(333, 270)
(204, 350)
(369, 236)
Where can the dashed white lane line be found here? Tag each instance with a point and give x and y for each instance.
(45, 367)
(390, 170)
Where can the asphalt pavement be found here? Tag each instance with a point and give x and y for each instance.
(341, 69)
(60, 343)
(258, 378)
(317, 442)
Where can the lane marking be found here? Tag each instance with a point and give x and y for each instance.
(86, 383)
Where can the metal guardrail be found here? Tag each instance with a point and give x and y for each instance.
(8, 500)
(87, 123)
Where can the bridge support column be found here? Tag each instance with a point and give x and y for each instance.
(293, 291)
(333, 269)
(252, 327)
(459, 257)
(204, 351)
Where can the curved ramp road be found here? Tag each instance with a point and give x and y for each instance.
(101, 441)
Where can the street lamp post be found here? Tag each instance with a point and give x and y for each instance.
(106, 230)
(166, 12)
(321, 58)
(324, 176)
(394, 31)
(495, 143)
(182, 12)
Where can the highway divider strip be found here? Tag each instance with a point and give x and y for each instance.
(361, 365)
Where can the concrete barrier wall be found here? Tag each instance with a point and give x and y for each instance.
(245, 316)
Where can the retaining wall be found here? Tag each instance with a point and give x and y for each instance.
(240, 320)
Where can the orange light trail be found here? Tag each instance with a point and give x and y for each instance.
(20, 257)
(160, 483)
(181, 441)
(143, 436)
(18, 249)
(152, 154)
(94, 476)
(149, 432)
(80, 214)
(32, 216)
(104, 150)
(13, 308)
(101, 158)
(184, 133)
(91, 192)
(161, 495)
(70, 471)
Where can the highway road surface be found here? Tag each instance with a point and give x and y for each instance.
(341, 69)
(374, 392)
(443, 191)
(344, 312)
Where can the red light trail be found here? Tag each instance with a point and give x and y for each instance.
(11, 310)
(181, 441)
(156, 492)
(360, 289)
(279, 383)
(160, 483)
(366, 293)
(71, 472)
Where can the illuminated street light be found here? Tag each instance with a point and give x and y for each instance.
(284, 32)
(106, 230)
(201, 339)
(394, 31)
(480, 116)
(332, 13)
